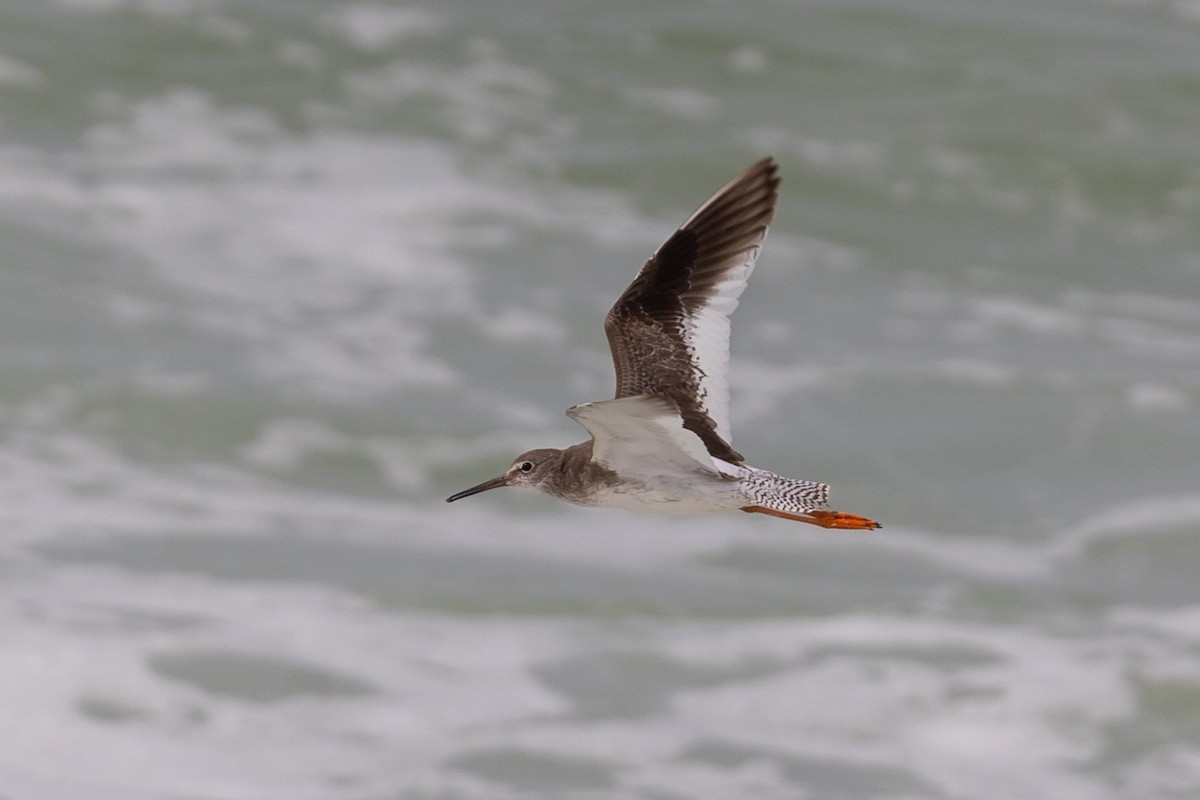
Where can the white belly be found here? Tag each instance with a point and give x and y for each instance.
(677, 497)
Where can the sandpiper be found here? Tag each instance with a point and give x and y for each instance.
(661, 446)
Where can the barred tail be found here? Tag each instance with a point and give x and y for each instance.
(802, 501)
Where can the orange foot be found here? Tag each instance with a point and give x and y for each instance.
(826, 519)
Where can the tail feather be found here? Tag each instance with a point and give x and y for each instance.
(782, 494)
(802, 501)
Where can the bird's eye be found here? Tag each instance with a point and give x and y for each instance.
(526, 466)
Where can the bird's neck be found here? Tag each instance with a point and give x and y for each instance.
(577, 477)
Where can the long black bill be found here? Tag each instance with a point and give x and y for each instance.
(494, 483)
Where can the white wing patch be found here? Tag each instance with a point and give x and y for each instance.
(706, 334)
(641, 436)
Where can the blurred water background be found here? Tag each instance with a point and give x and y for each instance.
(277, 276)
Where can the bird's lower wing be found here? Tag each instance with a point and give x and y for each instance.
(641, 435)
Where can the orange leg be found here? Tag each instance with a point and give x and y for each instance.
(823, 519)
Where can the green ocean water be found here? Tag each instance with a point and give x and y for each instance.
(278, 277)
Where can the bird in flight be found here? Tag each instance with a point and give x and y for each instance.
(662, 445)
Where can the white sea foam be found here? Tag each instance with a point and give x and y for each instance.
(307, 231)
(1140, 516)
(748, 60)
(17, 73)
(681, 102)
(868, 691)
(376, 26)
(1158, 396)
(746, 703)
(163, 733)
(1024, 315)
(976, 371)
(489, 99)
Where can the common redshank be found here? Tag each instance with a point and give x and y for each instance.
(661, 446)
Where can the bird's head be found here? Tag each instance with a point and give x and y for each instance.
(530, 469)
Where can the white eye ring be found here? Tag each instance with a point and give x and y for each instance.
(526, 466)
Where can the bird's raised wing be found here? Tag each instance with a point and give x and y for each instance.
(669, 331)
